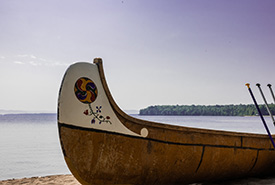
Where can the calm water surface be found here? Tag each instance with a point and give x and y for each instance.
(29, 143)
(228, 123)
(30, 146)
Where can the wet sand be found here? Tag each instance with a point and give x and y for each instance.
(70, 180)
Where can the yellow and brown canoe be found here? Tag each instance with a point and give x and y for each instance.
(103, 145)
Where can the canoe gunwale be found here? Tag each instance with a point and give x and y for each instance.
(159, 140)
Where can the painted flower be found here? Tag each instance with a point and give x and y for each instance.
(97, 117)
(93, 121)
(86, 112)
(98, 109)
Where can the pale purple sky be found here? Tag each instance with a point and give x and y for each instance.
(155, 52)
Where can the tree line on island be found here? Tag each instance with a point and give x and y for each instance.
(206, 110)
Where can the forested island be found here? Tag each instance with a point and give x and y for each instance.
(206, 110)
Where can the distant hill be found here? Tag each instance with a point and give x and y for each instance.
(3, 111)
(206, 110)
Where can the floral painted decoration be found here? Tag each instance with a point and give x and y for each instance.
(86, 92)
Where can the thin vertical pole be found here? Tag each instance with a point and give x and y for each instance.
(269, 85)
(260, 113)
(266, 105)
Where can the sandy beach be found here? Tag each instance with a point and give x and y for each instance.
(70, 180)
(54, 179)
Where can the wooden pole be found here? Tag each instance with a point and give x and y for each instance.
(260, 114)
(269, 85)
(266, 105)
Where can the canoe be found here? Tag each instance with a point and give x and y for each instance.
(103, 145)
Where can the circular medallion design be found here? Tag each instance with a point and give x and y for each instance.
(85, 90)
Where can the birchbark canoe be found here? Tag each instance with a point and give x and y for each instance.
(103, 145)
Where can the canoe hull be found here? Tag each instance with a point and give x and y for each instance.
(101, 157)
(103, 145)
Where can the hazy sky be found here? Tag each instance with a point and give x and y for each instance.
(154, 52)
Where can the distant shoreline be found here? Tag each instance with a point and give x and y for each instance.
(205, 110)
(18, 112)
(10, 114)
(3, 111)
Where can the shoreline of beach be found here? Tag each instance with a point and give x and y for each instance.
(51, 179)
(70, 180)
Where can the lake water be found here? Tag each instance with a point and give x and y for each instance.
(29, 143)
